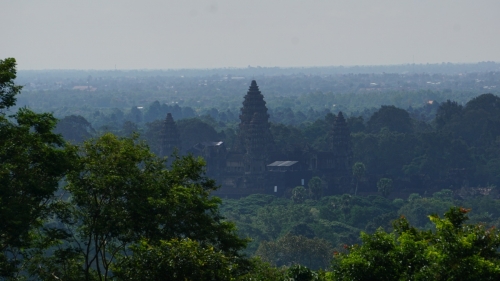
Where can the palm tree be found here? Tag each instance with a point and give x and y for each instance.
(358, 170)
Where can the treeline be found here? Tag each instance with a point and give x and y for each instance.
(84, 93)
(457, 148)
(421, 150)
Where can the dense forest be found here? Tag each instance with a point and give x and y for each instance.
(84, 197)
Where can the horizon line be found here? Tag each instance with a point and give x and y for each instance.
(257, 67)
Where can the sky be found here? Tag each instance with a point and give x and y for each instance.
(174, 34)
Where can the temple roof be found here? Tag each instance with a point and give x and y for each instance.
(211, 143)
(282, 163)
(253, 89)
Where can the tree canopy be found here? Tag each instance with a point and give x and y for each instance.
(392, 118)
(123, 195)
(32, 162)
(8, 89)
(119, 197)
(454, 251)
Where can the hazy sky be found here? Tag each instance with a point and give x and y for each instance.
(163, 34)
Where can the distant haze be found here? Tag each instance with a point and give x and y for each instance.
(159, 34)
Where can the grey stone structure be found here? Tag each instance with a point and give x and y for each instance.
(169, 137)
(252, 164)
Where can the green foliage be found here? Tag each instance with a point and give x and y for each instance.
(49, 258)
(449, 112)
(263, 271)
(358, 171)
(122, 194)
(392, 118)
(176, 260)
(32, 162)
(315, 186)
(335, 219)
(454, 251)
(8, 89)
(356, 124)
(444, 195)
(301, 273)
(384, 186)
(152, 135)
(299, 194)
(288, 139)
(414, 196)
(129, 129)
(418, 209)
(398, 202)
(193, 131)
(384, 153)
(74, 128)
(290, 249)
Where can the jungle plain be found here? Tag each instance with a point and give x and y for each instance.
(326, 173)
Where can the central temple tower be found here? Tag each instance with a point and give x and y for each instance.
(169, 137)
(340, 145)
(254, 138)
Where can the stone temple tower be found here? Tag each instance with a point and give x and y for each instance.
(169, 137)
(340, 145)
(254, 138)
(254, 121)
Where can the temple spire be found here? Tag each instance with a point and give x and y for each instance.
(253, 103)
(340, 144)
(254, 140)
(169, 135)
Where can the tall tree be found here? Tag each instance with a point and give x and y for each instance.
(122, 194)
(358, 171)
(392, 118)
(449, 112)
(74, 128)
(299, 194)
(8, 89)
(194, 130)
(384, 186)
(315, 186)
(32, 162)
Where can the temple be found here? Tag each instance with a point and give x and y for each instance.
(252, 164)
(255, 144)
(169, 137)
(340, 146)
